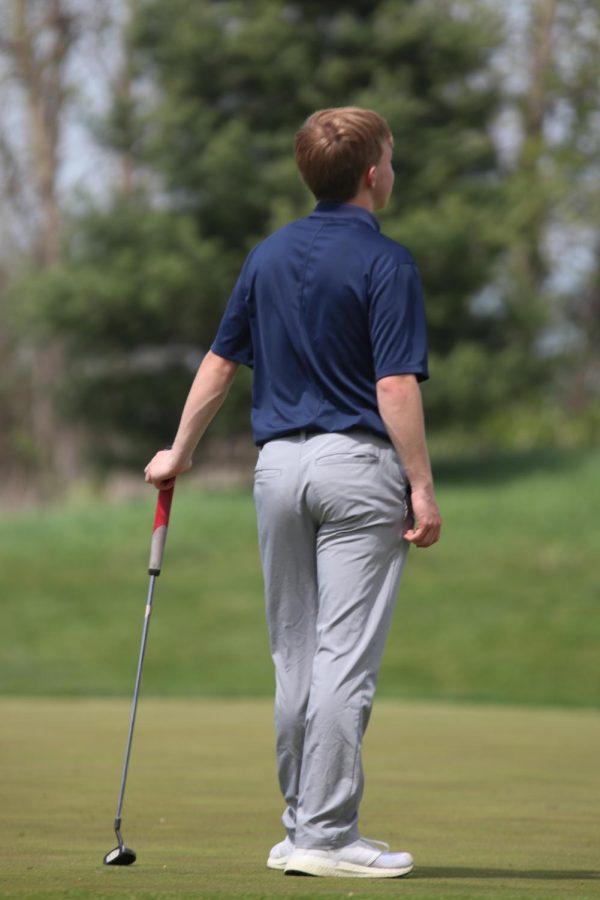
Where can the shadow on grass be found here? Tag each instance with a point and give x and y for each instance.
(496, 468)
(425, 872)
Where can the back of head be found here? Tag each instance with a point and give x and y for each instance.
(335, 147)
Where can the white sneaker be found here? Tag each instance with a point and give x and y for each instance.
(362, 859)
(279, 855)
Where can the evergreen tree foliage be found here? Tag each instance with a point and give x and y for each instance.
(222, 87)
(237, 79)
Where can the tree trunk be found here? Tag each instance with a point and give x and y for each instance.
(40, 51)
(536, 107)
(585, 380)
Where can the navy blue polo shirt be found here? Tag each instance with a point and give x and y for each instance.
(322, 309)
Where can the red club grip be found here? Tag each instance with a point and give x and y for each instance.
(159, 530)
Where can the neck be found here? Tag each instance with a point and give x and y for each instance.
(363, 199)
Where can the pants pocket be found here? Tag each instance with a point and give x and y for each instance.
(359, 457)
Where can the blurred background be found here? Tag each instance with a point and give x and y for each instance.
(145, 147)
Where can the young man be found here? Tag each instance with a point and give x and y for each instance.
(329, 314)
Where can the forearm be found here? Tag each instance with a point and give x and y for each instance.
(207, 393)
(208, 390)
(401, 408)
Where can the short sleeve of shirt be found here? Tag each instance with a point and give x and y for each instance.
(397, 324)
(234, 338)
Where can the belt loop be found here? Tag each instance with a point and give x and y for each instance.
(302, 434)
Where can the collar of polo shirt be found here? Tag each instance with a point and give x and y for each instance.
(346, 211)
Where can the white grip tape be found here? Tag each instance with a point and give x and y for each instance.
(157, 547)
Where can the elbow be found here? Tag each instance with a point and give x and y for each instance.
(393, 386)
(221, 369)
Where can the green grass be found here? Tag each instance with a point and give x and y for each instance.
(506, 607)
(493, 802)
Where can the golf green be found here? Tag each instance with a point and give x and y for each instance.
(493, 802)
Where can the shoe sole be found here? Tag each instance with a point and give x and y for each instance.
(277, 863)
(312, 865)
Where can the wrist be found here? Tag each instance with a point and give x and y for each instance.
(181, 453)
(421, 487)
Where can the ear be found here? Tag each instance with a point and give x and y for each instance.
(371, 177)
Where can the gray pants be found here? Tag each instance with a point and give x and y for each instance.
(331, 510)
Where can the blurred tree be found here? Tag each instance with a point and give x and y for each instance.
(37, 40)
(207, 98)
(134, 289)
(550, 269)
(577, 151)
(215, 92)
(237, 79)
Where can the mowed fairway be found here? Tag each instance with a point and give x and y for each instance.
(493, 802)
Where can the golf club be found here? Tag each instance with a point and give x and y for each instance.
(122, 855)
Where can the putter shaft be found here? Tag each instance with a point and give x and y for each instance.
(136, 691)
(122, 855)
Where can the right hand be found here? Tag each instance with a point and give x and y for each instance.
(164, 467)
(428, 521)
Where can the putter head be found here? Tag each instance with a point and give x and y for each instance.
(120, 856)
